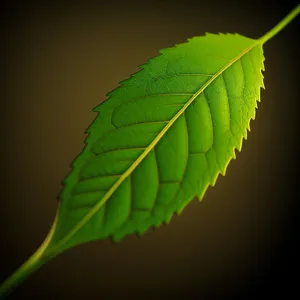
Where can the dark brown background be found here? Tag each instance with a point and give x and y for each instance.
(59, 61)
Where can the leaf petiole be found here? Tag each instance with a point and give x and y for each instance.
(32, 264)
(284, 22)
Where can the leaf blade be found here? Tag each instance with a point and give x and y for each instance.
(210, 162)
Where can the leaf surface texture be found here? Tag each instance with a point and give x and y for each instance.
(162, 138)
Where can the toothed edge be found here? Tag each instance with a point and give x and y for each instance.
(116, 239)
(201, 196)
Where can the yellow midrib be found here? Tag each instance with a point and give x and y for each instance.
(105, 198)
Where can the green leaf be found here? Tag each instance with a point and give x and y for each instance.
(158, 141)
(162, 138)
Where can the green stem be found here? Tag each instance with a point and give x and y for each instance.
(292, 15)
(40, 257)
